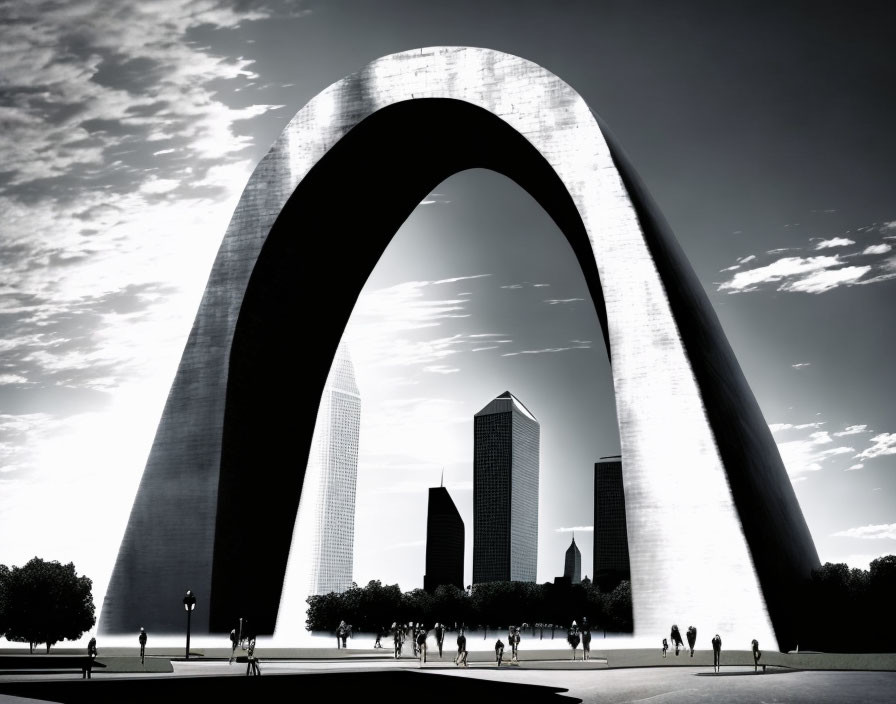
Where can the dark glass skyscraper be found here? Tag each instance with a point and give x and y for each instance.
(611, 563)
(572, 567)
(444, 542)
(505, 492)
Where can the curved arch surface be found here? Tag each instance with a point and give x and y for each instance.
(716, 536)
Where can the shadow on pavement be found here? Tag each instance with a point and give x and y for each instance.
(366, 686)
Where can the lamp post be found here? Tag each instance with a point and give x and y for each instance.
(189, 605)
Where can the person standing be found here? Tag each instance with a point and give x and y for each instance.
(756, 655)
(716, 652)
(665, 646)
(499, 651)
(421, 643)
(572, 637)
(340, 635)
(142, 640)
(461, 648)
(252, 666)
(440, 636)
(692, 638)
(675, 637)
(586, 642)
(515, 645)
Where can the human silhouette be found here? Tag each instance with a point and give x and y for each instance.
(665, 646)
(572, 637)
(421, 644)
(142, 640)
(499, 651)
(692, 638)
(440, 636)
(716, 652)
(252, 666)
(675, 637)
(461, 649)
(234, 641)
(756, 655)
(514, 639)
(586, 642)
(341, 633)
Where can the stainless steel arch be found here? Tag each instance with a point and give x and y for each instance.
(716, 535)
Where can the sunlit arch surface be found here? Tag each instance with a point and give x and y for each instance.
(716, 535)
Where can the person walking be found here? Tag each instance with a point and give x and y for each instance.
(499, 651)
(716, 652)
(341, 635)
(756, 655)
(252, 666)
(440, 636)
(572, 637)
(665, 646)
(87, 669)
(675, 637)
(692, 638)
(142, 639)
(515, 645)
(421, 643)
(461, 649)
(586, 642)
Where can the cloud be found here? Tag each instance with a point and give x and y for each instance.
(547, 350)
(440, 369)
(811, 452)
(822, 281)
(884, 444)
(853, 430)
(834, 242)
(778, 427)
(781, 269)
(575, 529)
(800, 365)
(560, 301)
(877, 249)
(854, 467)
(884, 531)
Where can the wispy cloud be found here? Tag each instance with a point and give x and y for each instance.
(801, 365)
(882, 248)
(884, 444)
(883, 531)
(561, 301)
(811, 452)
(834, 242)
(575, 529)
(547, 350)
(853, 430)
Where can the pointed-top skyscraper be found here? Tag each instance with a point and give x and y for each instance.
(572, 567)
(505, 492)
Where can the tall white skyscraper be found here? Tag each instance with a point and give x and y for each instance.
(322, 551)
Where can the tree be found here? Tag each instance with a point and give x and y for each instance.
(47, 602)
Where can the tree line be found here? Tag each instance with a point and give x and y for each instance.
(493, 604)
(44, 602)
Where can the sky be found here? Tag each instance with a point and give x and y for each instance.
(128, 130)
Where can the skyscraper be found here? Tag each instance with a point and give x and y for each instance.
(330, 480)
(611, 561)
(444, 542)
(505, 492)
(572, 567)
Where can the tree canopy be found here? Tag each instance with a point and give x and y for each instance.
(45, 602)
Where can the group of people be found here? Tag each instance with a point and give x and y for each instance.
(513, 637)
(691, 634)
(576, 635)
(418, 634)
(243, 638)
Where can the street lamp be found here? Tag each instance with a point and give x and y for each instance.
(189, 605)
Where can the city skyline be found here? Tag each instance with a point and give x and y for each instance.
(774, 173)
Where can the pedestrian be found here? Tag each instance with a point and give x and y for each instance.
(340, 635)
(499, 651)
(252, 666)
(665, 646)
(421, 643)
(515, 645)
(347, 631)
(379, 635)
(675, 637)
(716, 652)
(91, 647)
(586, 642)
(142, 639)
(692, 638)
(756, 655)
(87, 670)
(234, 641)
(440, 636)
(572, 637)
(461, 648)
